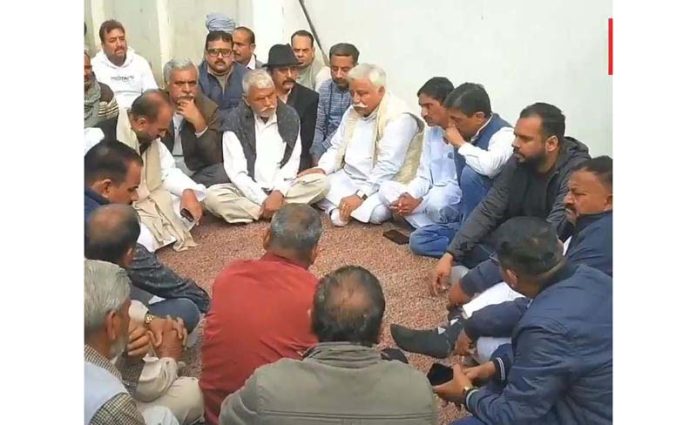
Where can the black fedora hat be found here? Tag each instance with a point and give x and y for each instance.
(281, 55)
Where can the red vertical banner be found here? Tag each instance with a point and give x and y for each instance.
(611, 46)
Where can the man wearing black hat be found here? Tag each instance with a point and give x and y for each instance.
(283, 67)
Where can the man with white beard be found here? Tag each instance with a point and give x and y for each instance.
(106, 336)
(379, 139)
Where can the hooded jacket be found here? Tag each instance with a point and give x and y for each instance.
(509, 197)
(127, 81)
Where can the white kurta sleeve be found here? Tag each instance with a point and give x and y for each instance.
(391, 153)
(235, 164)
(489, 162)
(155, 378)
(284, 177)
(174, 180)
(327, 162)
(420, 186)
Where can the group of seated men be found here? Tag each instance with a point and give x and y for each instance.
(512, 214)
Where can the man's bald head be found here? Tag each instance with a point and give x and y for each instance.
(348, 307)
(111, 234)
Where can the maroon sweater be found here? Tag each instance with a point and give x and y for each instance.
(259, 313)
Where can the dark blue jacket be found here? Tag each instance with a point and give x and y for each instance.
(591, 244)
(93, 200)
(558, 369)
(210, 86)
(147, 272)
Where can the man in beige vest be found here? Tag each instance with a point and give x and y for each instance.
(168, 200)
(378, 140)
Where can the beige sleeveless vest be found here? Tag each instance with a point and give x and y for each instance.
(390, 108)
(154, 204)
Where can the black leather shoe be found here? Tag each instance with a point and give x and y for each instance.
(428, 342)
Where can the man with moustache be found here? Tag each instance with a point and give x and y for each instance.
(378, 140)
(119, 67)
(282, 65)
(243, 47)
(194, 137)
(434, 195)
(168, 201)
(261, 150)
(487, 320)
(534, 183)
(219, 77)
(334, 98)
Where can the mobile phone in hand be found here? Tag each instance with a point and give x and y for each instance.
(187, 215)
(439, 374)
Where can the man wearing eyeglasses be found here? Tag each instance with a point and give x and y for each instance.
(219, 76)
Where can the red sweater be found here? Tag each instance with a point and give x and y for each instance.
(259, 313)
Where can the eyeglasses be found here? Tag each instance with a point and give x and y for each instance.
(225, 53)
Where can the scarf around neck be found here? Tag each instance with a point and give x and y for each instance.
(92, 98)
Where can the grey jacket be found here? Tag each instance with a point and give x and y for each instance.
(335, 383)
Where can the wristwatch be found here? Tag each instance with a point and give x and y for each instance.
(361, 194)
(148, 319)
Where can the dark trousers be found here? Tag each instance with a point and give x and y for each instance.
(152, 277)
(174, 307)
(210, 175)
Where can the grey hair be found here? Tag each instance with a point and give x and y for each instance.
(175, 65)
(258, 78)
(373, 73)
(107, 288)
(296, 227)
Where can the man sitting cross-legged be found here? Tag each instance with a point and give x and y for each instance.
(168, 200)
(558, 368)
(112, 175)
(434, 195)
(112, 231)
(343, 379)
(378, 140)
(260, 308)
(107, 327)
(261, 156)
(488, 319)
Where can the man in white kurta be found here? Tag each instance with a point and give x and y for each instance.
(261, 155)
(378, 140)
(433, 197)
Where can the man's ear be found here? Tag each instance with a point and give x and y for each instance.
(510, 278)
(267, 238)
(551, 144)
(381, 90)
(102, 186)
(246, 101)
(314, 253)
(111, 324)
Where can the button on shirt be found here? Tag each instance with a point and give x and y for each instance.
(268, 175)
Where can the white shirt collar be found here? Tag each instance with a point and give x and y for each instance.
(272, 120)
(252, 63)
(481, 129)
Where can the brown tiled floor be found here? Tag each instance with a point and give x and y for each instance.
(401, 273)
